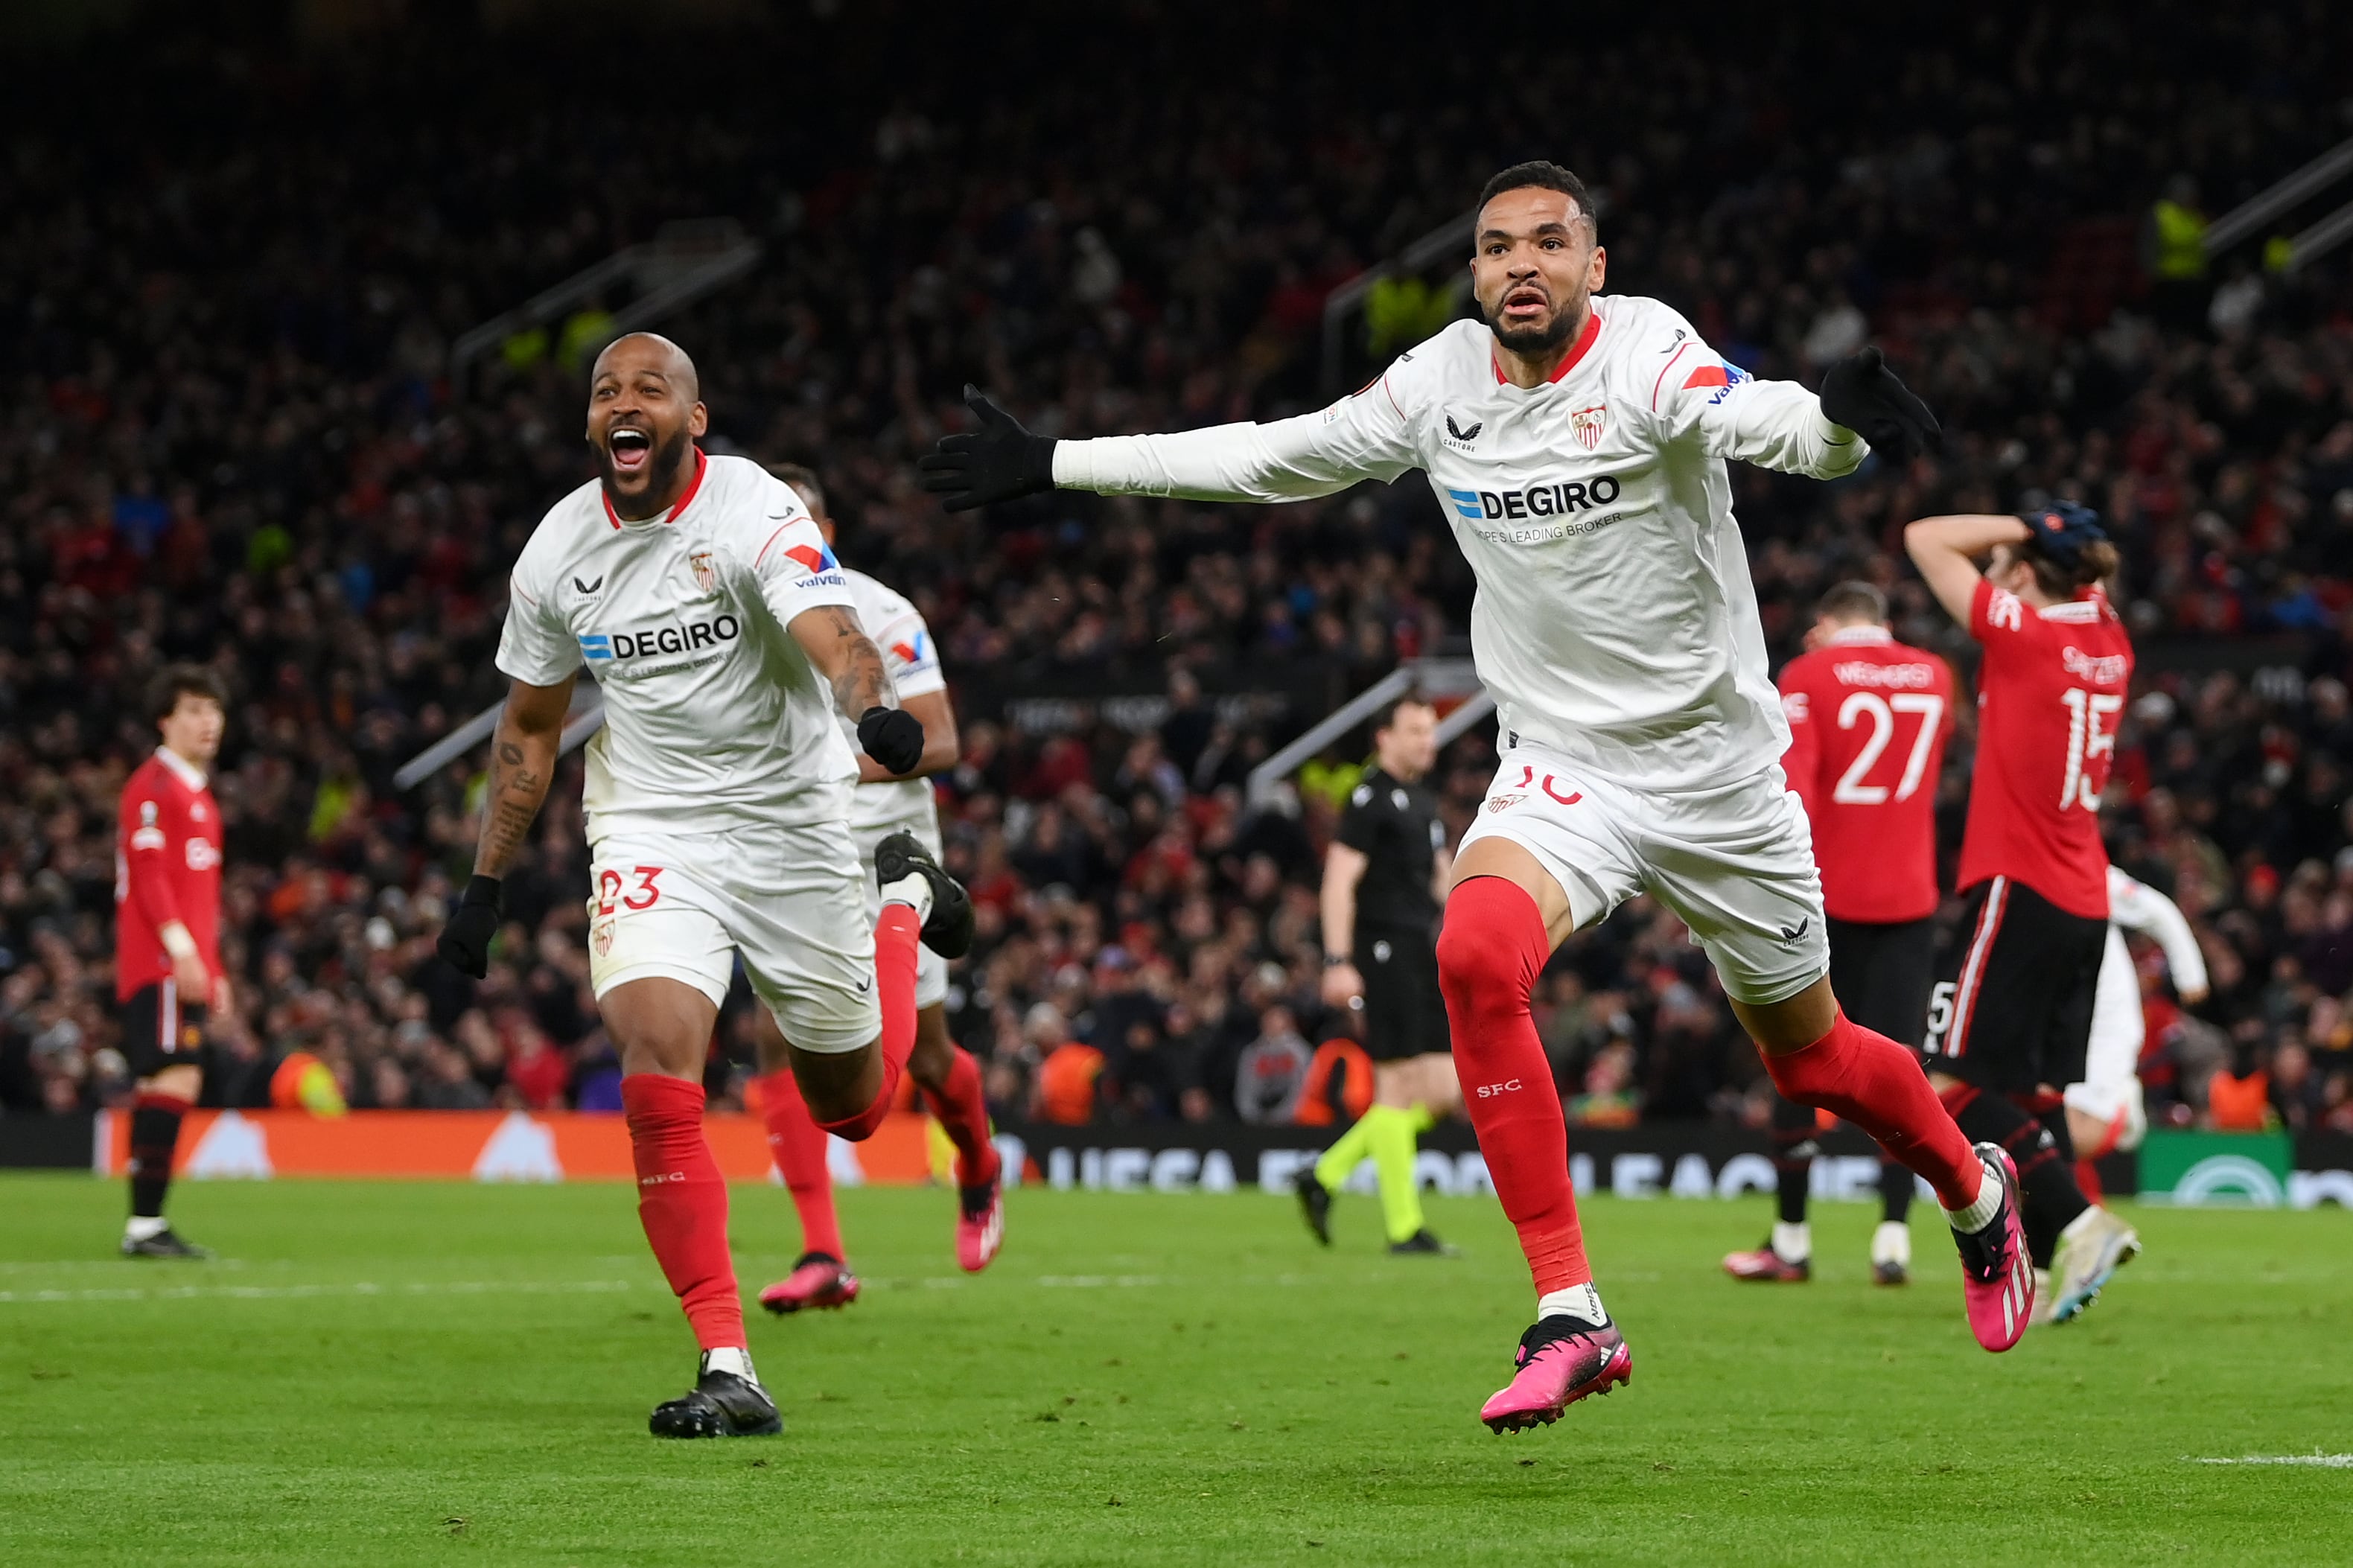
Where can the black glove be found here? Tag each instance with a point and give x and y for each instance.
(2063, 529)
(999, 461)
(893, 737)
(466, 941)
(1862, 394)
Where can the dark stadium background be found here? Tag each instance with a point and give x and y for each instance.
(240, 246)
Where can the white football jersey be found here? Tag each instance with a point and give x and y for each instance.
(913, 660)
(714, 715)
(1615, 621)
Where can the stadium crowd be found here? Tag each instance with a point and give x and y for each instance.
(236, 437)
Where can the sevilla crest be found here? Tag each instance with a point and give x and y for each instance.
(1586, 426)
(706, 574)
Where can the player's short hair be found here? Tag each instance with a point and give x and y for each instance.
(2097, 561)
(1853, 601)
(175, 682)
(1385, 716)
(805, 485)
(1543, 174)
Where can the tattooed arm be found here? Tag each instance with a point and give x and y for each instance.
(522, 763)
(845, 656)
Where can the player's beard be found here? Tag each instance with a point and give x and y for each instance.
(1534, 340)
(662, 466)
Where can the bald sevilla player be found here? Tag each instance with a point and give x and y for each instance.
(167, 967)
(946, 1075)
(1868, 721)
(725, 639)
(2011, 1017)
(1577, 444)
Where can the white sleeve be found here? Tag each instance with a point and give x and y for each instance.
(796, 571)
(1774, 425)
(2136, 906)
(536, 646)
(909, 654)
(1362, 437)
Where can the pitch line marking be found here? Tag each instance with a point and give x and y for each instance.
(2315, 1459)
(293, 1292)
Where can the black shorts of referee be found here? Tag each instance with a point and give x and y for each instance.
(1405, 1012)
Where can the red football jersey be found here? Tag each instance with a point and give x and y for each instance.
(2051, 692)
(167, 861)
(1868, 720)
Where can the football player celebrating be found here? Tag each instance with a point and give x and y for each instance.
(885, 806)
(725, 637)
(1577, 442)
(1868, 720)
(2010, 1016)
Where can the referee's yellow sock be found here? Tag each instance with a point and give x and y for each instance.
(1340, 1161)
(1392, 1141)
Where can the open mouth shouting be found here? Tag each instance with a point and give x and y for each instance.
(629, 448)
(1526, 305)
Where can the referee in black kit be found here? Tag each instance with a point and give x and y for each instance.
(1382, 887)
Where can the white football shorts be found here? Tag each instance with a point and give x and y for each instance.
(930, 969)
(786, 896)
(2111, 1090)
(1735, 862)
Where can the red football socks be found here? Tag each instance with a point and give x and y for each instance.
(1489, 955)
(963, 1110)
(896, 932)
(682, 1203)
(798, 1145)
(1878, 1085)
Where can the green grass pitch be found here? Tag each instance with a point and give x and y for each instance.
(398, 1373)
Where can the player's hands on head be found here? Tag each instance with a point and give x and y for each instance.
(893, 737)
(996, 462)
(466, 941)
(1862, 394)
(2063, 529)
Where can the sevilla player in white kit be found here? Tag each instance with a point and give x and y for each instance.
(884, 804)
(723, 636)
(2106, 1112)
(1577, 442)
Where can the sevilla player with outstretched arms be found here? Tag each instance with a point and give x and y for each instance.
(2009, 1021)
(1868, 720)
(718, 798)
(1576, 443)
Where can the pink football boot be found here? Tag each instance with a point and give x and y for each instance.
(980, 1222)
(1997, 1276)
(817, 1281)
(1561, 1359)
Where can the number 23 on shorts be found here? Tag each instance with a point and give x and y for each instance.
(614, 889)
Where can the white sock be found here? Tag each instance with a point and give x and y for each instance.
(1582, 1302)
(914, 889)
(730, 1358)
(1979, 1215)
(1892, 1243)
(139, 1227)
(1793, 1243)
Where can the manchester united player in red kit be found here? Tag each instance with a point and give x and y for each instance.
(1868, 720)
(2011, 1012)
(167, 968)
